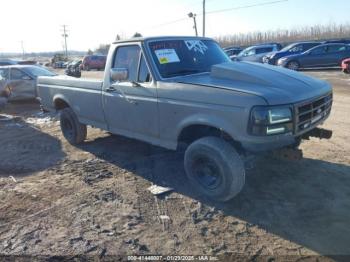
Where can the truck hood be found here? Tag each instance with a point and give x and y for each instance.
(275, 84)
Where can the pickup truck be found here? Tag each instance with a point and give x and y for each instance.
(185, 92)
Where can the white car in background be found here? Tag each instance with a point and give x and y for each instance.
(19, 81)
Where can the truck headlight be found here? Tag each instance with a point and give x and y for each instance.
(270, 120)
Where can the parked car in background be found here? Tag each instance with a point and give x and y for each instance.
(93, 62)
(73, 68)
(5, 62)
(345, 65)
(256, 53)
(337, 41)
(233, 51)
(327, 55)
(19, 81)
(59, 64)
(295, 48)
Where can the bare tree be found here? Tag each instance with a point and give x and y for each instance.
(306, 33)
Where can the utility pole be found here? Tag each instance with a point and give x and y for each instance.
(22, 45)
(192, 15)
(203, 18)
(65, 35)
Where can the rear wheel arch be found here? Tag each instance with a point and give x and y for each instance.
(60, 103)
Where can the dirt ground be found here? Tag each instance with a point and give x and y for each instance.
(61, 200)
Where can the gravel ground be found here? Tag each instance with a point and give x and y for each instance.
(61, 200)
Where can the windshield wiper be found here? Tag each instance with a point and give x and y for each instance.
(184, 72)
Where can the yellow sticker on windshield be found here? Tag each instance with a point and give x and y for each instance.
(166, 56)
(163, 60)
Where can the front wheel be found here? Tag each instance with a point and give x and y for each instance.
(215, 168)
(72, 129)
(293, 65)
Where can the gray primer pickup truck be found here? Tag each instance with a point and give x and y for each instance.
(172, 91)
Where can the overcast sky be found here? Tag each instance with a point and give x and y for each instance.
(38, 22)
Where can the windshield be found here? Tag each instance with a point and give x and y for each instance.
(246, 51)
(38, 71)
(286, 48)
(184, 57)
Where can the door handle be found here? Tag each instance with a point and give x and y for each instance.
(111, 89)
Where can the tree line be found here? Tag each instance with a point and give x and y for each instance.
(306, 33)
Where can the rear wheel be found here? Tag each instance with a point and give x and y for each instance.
(215, 168)
(293, 65)
(72, 129)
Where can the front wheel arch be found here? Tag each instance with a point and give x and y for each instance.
(296, 64)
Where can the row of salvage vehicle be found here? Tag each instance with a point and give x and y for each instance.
(295, 56)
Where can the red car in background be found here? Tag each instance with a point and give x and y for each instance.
(93, 62)
(345, 65)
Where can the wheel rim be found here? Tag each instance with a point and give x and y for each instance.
(293, 65)
(67, 128)
(206, 172)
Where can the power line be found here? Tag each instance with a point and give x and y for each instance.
(220, 11)
(203, 30)
(65, 35)
(246, 6)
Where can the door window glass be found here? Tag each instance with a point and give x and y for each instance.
(336, 48)
(318, 51)
(297, 48)
(4, 73)
(128, 57)
(250, 52)
(144, 74)
(263, 50)
(17, 74)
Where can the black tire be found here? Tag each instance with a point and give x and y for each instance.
(293, 65)
(214, 167)
(87, 68)
(346, 71)
(72, 129)
(6, 92)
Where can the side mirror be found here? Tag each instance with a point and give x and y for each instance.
(119, 74)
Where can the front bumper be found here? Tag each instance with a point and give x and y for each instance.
(271, 143)
(269, 60)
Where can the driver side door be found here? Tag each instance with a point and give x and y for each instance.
(131, 105)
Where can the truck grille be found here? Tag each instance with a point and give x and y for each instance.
(311, 112)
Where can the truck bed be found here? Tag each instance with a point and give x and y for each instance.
(62, 80)
(84, 96)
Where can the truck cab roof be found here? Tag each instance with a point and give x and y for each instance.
(152, 38)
